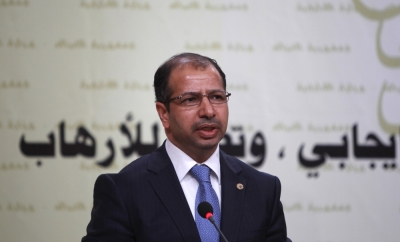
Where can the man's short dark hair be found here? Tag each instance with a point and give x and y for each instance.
(161, 77)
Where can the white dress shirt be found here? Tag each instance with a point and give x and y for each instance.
(182, 165)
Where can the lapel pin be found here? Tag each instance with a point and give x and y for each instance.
(240, 186)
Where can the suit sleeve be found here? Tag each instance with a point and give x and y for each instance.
(277, 225)
(109, 217)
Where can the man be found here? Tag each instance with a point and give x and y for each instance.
(155, 198)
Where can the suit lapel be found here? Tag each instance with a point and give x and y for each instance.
(232, 197)
(166, 184)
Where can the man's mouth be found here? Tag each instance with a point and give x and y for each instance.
(207, 127)
(207, 131)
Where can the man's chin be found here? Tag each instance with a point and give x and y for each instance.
(208, 143)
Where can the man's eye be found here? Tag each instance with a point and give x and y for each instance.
(189, 99)
(216, 97)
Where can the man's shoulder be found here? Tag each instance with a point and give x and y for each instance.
(136, 166)
(247, 170)
(143, 167)
(136, 170)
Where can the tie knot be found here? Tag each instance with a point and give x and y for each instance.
(201, 173)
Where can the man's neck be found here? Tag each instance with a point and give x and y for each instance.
(198, 155)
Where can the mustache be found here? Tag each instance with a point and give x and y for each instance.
(212, 121)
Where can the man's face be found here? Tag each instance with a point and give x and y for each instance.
(196, 130)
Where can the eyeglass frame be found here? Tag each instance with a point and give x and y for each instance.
(227, 95)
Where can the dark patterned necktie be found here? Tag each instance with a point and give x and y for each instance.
(207, 231)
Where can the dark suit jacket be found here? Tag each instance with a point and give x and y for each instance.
(145, 202)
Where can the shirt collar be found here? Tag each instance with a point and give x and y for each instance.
(183, 163)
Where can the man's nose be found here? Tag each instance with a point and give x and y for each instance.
(206, 109)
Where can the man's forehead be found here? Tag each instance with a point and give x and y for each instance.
(194, 76)
(190, 70)
(192, 65)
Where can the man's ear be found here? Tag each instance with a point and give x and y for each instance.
(163, 114)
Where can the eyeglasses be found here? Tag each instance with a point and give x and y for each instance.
(194, 98)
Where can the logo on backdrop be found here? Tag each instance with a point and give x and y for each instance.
(381, 16)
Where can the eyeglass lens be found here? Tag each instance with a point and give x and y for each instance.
(191, 99)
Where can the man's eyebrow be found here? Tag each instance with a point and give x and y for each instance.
(208, 91)
(190, 93)
(216, 90)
